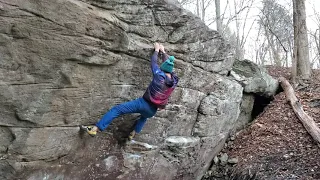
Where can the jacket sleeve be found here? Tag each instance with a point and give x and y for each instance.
(164, 56)
(176, 78)
(154, 65)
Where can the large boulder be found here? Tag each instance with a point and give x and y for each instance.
(65, 63)
(254, 78)
(246, 112)
(257, 85)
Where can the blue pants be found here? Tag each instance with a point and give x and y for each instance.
(135, 106)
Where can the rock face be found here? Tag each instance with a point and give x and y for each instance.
(65, 63)
(254, 78)
(246, 109)
(256, 83)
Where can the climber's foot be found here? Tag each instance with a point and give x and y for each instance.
(91, 130)
(131, 135)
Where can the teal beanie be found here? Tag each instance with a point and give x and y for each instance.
(167, 66)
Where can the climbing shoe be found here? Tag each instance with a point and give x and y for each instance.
(131, 135)
(90, 130)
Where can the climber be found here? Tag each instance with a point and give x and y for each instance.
(155, 97)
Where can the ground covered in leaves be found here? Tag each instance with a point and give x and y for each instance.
(276, 145)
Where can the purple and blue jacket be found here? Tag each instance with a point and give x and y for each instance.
(161, 86)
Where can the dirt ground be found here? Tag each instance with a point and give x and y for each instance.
(276, 145)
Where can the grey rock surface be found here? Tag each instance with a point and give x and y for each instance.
(233, 160)
(65, 63)
(245, 115)
(224, 159)
(254, 78)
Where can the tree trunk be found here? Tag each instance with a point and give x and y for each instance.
(276, 55)
(319, 49)
(306, 120)
(203, 10)
(291, 53)
(273, 53)
(218, 16)
(198, 7)
(239, 52)
(317, 40)
(301, 49)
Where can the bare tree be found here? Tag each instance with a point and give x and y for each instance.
(276, 23)
(198, 8)
(301, 66)
(315, 40)
(218, 16)
(185, 2)
(205, 4)
(314, 48)
(201, 7)
(234, 13)
(261, 47)
(241, 24)
(238, 14)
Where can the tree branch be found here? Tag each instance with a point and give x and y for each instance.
(305, 119)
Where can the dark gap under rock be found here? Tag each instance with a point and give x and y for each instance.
(218, 171)
(260, 102)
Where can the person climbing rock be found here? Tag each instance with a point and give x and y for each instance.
(155, 97)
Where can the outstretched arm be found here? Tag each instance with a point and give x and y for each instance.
(154, 65)
(164, 56)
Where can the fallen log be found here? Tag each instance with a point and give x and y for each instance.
(306, 120)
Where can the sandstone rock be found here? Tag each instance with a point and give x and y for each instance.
(111, 162)
(246, 108)
(182, 142)
(224, 159)
(216, 160)
(233, 160)
(139, 146)
(6, 170)
(254, 78)
(6, 138)
(32, 144)
(218, 112)
(208, 151)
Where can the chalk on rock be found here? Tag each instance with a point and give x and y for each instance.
(182, 141)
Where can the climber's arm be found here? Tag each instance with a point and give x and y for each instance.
(164, 55)
(154, 65)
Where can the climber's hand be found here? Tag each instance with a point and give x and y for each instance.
(162, 48)
(156, 46)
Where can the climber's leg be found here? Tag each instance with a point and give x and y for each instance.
(133, 106)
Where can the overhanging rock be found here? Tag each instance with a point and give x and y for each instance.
(258, 87)
(254, 78)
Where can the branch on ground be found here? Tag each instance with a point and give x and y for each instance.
(306, 120)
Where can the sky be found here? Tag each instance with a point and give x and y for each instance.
(311, 7)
